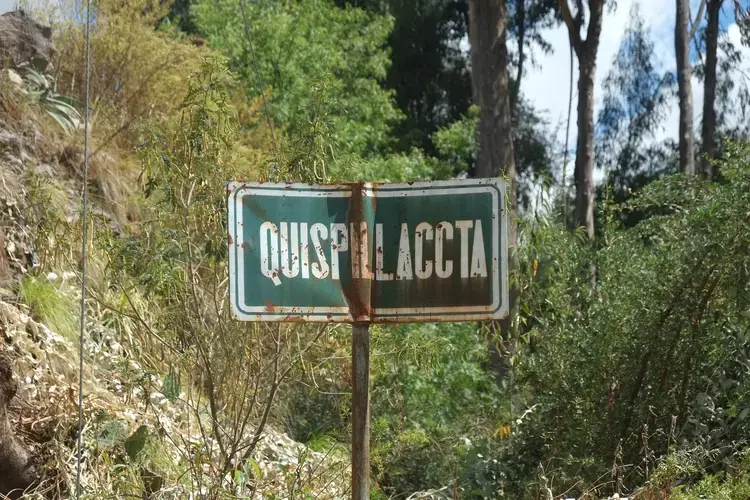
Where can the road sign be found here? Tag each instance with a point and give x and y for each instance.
(418, 252)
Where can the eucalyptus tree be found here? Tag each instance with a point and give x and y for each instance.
(586, 49)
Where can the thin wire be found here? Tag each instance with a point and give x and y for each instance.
(84, 257)
(261, 87)
(567, 136)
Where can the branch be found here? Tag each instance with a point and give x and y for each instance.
(698, 50)
(740, 16)
(697, 21)
(573, 34)
(521, 36)
(594, 30)
(278, 378)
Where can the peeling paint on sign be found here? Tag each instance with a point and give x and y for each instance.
(417, 252)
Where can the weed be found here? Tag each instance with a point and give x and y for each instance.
(49, 305)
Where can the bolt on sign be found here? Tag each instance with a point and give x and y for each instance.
(376, 253)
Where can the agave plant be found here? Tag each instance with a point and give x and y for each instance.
(42, 89)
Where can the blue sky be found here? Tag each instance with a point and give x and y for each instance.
(546, 86)
(6, 5)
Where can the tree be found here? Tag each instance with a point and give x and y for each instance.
(742, 15)
(489, 73)
(489, 62)
(526, 21)
(585, 50)
(319, 62)
(708, 134)
(429, 71)
(685, 90)
(532, 141)
(650, 357)
(635, 103)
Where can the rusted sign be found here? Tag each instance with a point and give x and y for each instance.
(379, 253)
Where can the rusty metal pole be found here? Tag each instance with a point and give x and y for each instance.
(361, 411)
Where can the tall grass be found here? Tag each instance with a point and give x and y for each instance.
(50, 305)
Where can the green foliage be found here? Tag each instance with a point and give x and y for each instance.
(233, 370)
(42, 89)
(611, 387)
(429, 73)
(111, 433)
(313, 415)
(136, 442)
(50, 213)
(431, 393)
(138, 72)
(722, 486)
(637, 97)
(305, 47)
(534, 146)
(457, 144)
(397, 167)
(171, 385)
(653, 356)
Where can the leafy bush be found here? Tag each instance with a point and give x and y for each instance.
(458, 144)
(657, 354)
(722, 486)
(232, 371)
(431, 395)
(136, 71)
(311, 414)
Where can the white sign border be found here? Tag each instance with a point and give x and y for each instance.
(498, 309)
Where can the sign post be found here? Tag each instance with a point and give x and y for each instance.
(368, 253)
(360, 411)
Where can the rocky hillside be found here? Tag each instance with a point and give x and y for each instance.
(138, 424)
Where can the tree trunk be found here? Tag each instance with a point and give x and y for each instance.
(16, 472)
(584, 167)
(521, 26)
(489, 73)
(489, 62)
(709, 89)
(586, 51)
(685, 91)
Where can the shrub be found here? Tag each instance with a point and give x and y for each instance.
(232, 370)
(651, 357)
(136, 71)
(319, 62)
(431, 393)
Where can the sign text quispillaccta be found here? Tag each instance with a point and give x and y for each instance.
(432, 251)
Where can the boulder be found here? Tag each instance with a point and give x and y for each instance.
(24, 40)
(16, 466)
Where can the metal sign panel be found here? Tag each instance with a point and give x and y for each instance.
(418, 252)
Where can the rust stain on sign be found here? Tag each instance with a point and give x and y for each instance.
(364, 252)
(358, 291)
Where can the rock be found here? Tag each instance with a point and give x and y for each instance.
(14, 162)
(10, 142)
(14, 78)
(24, 40)
(16, 466)
(45, 170)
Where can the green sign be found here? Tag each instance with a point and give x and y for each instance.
(418, 252)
